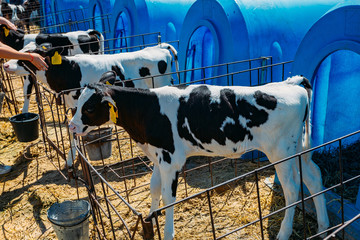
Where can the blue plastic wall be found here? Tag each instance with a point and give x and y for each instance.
(250, 29)
(329, 55)
(106, 6)
(48, 9)
(148, 16)
(99, 14)
(60, 13)
(70, 4)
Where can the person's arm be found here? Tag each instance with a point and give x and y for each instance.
(8, 23)
(34, 58)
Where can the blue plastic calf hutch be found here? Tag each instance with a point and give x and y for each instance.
(225, 31)
(136, 17)
(329, 56)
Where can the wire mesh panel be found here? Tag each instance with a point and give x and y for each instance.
(54, 130)
(11, 87)
(78, 24)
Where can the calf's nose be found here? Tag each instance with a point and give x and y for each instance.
(72, 127)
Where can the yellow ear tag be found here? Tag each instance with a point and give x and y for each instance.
(6, 31)
(56, 59)
(43, 47)
(113, 114)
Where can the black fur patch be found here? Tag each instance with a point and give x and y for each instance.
(84, 43)
(15, 39)
(174, 184)
(63, 77)
(144, 71)
(306, 113)
(166, 157)
(77, 94)
(118, 72)
(306, 83)
(31, 83)
(56, 40)
(205, 117)
(139, 114)
(265, 100)
(93, 112)
(162, 65)
(88, 43)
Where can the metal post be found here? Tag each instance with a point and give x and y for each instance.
(211, 215)
(341, 188)
(259, 204)
(302, 197)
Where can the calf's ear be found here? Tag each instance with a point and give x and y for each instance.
(109, 100)
(52, 50)
(45, 46)
(20, 30)
(5, 30)
(113, 109)
(108, 78)
(55, 55)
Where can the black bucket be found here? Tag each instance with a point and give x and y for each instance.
(26, 126)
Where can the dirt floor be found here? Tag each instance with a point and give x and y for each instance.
(35, 184)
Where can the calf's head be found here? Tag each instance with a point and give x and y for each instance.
(20, 67)
(31, 5)
(12, 38)
(7, 10)
(94, 108)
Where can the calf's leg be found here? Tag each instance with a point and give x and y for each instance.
(72, 152)
(155, 189)
(28, 86)
(287, 172)
(312, 180)
(169, 178)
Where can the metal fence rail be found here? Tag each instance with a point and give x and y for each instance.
(75, 25)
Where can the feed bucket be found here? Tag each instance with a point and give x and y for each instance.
(26, 126)
(2, 96)
(98, 149)
(70, 219)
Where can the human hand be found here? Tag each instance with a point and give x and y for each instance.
(8, 23)
(38, 61)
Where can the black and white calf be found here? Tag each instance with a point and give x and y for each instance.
(75, 72)
(11, 12)
(20, 13)
(76, 42)
(170, 124)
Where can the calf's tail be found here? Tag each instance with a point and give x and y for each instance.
(174, 52)
(100, 37)
(302, 81)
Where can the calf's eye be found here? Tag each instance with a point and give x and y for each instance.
(89, 110)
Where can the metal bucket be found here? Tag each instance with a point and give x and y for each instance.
(26, 126)
(98, 149)
(70, 219)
